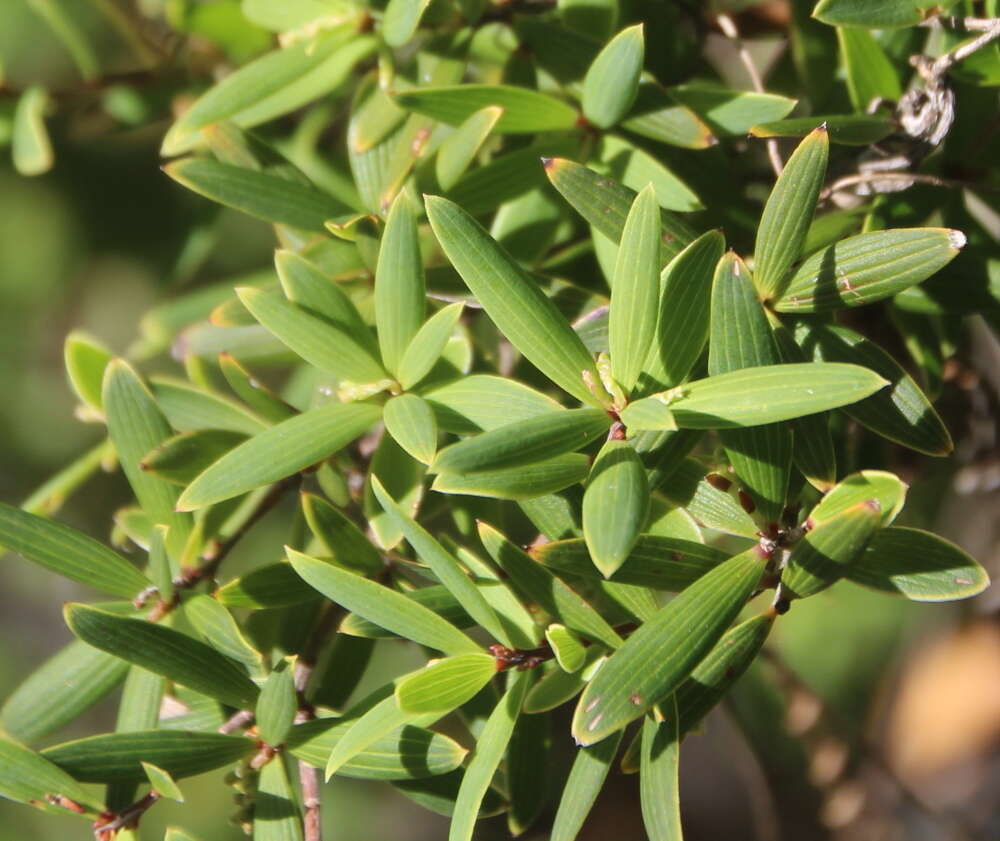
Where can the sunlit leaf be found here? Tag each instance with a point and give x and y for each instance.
(659, 780)
(525, 111)
(444, 685)
(458, 151)
(612, 81)
(524, 482)
(586, 779)
(615, 505)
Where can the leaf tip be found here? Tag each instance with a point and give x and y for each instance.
(956, 239)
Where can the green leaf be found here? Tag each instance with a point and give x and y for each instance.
(481, 402)
(612, 81)
(902, 412)
(636, 168)
(659, 117)
(253, 392)
(605, 204)
(827, 551)
(282, 450)
(847, 129)
(755, 396)
(118, 757)
(142, 697)
(61, 689)
(275, 813)
(887, 488)
(386, 608)
(539, 586)
(27, 777)
(401, 19)
(528, 773)
(443, 564)
(163, 651)
(486, 758)
(871, 14)
(459, 150)
(615, 505)
(365, 731)
(340, 537)
(632, 319)
(399, 285)
(181, 458)
(277, 704)
(512, 299)
(444, 685)
(259, 194)
(404, 476)
(525, 482)
(318, 342)
(219, 629)
(731, 112)
(70, 553)
(136, 425)
(525, 111)
(557, 687)
(410, 420)
(659, 781)
(567, 648)
(85, 359)
(918, 565)
(524, 442)
(274, 585)
(438, 794)
(191, 409)
(663, 563)
(657, 657)
(426, 347)
(30, 143)
(436, 598)
(711, 506)
(788, 213)
(868, 267)
(274, 84)
(161, 782)
(586, 781)
(291, 14)
(870, 74)
(684, 305)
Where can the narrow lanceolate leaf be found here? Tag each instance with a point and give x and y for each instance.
(848, 129)
(887, 488)
(427, 345)
(663, 563)
(869, 15)
(273, 84)
(612, 81)
(755, 396)
(261, 194)
(528, 773)
(918, 565)
(443, 564)
(399, 285)
(459, 150)
(557, 687)
(406, 753)
(275, 813)
(632, 320)
(277, 704)
(118, 757)
(410, 420)
(525, 482)
(217, 627)
(282, 450)
(382, 718)
(274, 585)
(136, 425)
(401, 19)
(181, 458)
(30, 143)
(536, 584)
(252, 391)
(525, 111)
(868, 267)
(659, 777)
(636, 168)
(387, 608)
(436, 598)
(728, 111)
(513, 300)
(586, 780)
(605, 204)
(663, 651)
(162, 782)
(62, 688)
(85, 359)
(615, 505)
(789, 212)
(27, 777)
(870, 73)
(444, 685)
(480, 402)
(69, 552)
(741, 338)
(569, 651)
(189, 408)
(340, 537)
(823, 556)
(721, 668)
(486, 758)
(683, 313)
(319, 343)
(165, 652)
(902, 412)
(691, 488)
(524, 442)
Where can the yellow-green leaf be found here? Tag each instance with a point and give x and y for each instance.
(612, 81)
(444, 685)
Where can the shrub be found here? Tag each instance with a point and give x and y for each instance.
(495, 458)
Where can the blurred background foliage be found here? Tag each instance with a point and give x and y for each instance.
(896, 722)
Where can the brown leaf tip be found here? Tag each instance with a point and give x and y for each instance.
(822, 127)
(548, 164)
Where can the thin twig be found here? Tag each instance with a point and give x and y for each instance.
(901, 177)
(311, 801)
(728, 27)
(968, 24)
(243, 718)
(127, 819)
(963, 51)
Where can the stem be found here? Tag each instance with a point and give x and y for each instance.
(243, 718)
(129, 819)
(902, 177)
